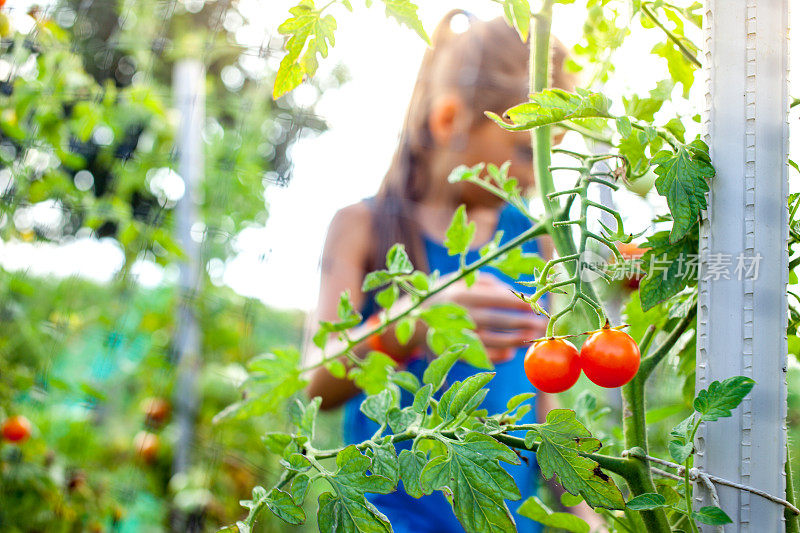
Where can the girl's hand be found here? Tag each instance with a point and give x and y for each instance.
(503, 321)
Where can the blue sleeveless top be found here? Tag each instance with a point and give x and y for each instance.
(433, 513)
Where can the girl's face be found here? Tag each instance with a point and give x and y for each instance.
(489, 143)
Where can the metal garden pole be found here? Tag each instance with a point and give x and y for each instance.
(742, 322)
(189, 94)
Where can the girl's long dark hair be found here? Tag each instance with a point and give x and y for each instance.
(487, 67)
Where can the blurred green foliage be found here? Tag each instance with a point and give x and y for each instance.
(87, 136)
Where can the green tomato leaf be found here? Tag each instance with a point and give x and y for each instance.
(283, 506)
(305, 415)
(570, 500)
(471, 471)
(713, 516)
(384, 460)
(515, 263)
(376, 407)
(624, 126)
(310, 34)
(474, 352)
(346, 509)
(254, 506)
(682, 181)
(405, 12)
(437, 370)
(460, 233)
(296, 462)
(633, 147)
(401, 419)
(676, 127)
(647, 502)
(336, 368)
(670, 495)
(683, 428)
(299, 488)
(447, 316)
(518, 15)
(376, 279)
(406, 380)
(465, 173)
(419, 280)
(374, 373)
(722, 397)
(388, 296)
(552, 106)
(442, 408)
(669, 267)
(423, 396)
(404, 329)
(680, 451)
(681, 69)
(411, 466)
(641, 108)
(562, 438)
(347, 314)
(397, 260)
(468, 390)
(276, 442)
(274, 378)
(518, 400)
(537, 511)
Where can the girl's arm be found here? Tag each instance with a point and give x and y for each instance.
(344, 255)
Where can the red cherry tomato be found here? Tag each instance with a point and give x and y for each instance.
(16, 428)
(552, 365)
(610, 358)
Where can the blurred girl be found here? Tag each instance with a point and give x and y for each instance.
(483, 68)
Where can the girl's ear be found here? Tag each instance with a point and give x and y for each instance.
(445, 119)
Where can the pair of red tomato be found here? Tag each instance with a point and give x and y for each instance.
(609, 358)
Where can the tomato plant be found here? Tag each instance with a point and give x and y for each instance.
(610, 357)
(552, 365)
(647, 144)
(67, 87)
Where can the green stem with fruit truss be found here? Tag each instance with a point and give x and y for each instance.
(636, 471)
(634, 426)
(792, 520)
(539, 64)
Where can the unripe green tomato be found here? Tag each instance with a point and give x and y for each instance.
(643, 183)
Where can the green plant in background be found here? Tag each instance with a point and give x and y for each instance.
(87, 137)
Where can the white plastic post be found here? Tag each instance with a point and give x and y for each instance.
(189, 94)
(742, 322)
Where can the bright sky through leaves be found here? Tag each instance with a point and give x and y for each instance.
(346, 163)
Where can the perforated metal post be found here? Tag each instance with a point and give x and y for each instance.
(189, 89)
(742, 322)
